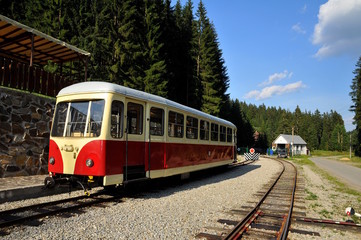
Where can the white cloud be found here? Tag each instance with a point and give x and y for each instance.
(338, 28)
(298, 28)
(270, 91)
(276, 77)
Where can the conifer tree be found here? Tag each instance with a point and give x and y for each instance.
(155, 75)
(131, 45)
(356, 107)
(171, 38)
(206, 62)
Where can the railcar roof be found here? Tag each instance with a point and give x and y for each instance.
(103, 87)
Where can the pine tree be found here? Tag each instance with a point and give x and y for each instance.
(244, 127)
(207, 62)
(130, 56)
(14, 10)
(284, 126)
(317, 123)
(155, 73)
(356, 107)
(297, 120)
(171, 35)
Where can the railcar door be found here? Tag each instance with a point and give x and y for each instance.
(155, 144)
(134, 167)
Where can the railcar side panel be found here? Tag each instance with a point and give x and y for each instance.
(157, 155)
(115, 157)
(180, 155)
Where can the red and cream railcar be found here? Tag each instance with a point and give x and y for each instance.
(110, 134)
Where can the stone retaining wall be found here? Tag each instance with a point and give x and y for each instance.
(25, 122)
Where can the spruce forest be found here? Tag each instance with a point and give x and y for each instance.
(173, 52)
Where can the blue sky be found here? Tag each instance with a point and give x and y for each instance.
(287, 53)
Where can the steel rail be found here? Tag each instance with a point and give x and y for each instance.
(241, 226)
(284, 231)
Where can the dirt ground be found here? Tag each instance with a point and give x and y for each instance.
(324, 199)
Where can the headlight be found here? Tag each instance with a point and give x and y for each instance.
(89, 162)
(52, 161)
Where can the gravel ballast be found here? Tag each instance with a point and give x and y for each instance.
(184, 210)
(179, 212)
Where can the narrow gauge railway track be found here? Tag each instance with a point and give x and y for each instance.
(23, 214)
(280, 196)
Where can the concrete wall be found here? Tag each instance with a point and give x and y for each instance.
(25, 122)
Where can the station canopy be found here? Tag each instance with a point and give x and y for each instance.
(25, 44)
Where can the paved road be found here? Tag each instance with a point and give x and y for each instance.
(346, 173)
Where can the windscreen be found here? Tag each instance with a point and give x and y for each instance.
(78, 119)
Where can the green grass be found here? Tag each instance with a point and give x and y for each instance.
(302, 160)
(355, 161)
(325, 213)
(310, 195)
(26, 91)
(315, 205)
(323, 153)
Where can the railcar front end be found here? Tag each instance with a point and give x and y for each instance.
(77, 145)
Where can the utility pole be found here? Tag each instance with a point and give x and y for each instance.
(350, 145)
(293, 130)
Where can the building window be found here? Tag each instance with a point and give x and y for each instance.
(192, 127)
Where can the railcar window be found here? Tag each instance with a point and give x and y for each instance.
(214, 132)
(95, 119)
(204, 130)
(135, 118)
(78, 119)
(156, 121)
(175, 124)
(116, 127)
(222, 133)
(59, 120)
(192, 128)
(229, 134)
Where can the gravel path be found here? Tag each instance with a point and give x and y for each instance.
(346, 173)
(173, 213)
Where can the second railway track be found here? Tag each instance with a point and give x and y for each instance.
(33, 212)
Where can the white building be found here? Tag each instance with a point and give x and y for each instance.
(286, 141)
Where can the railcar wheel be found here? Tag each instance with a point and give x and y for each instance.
(49, 182)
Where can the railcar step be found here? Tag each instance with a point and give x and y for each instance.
(136, 180)
(134, 172)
